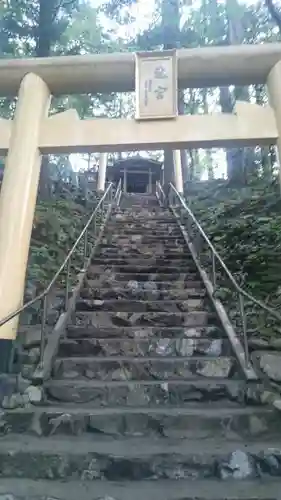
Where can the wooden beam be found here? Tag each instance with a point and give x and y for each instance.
(66, 133)
(200, 67)
(251, 125)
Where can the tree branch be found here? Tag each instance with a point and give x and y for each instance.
(274, 12)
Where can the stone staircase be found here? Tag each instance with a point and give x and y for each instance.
(146, 400)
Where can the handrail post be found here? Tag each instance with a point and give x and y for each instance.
(43, 328)
(85, 246)
(67, 284)
(214, 270)
(244, 327)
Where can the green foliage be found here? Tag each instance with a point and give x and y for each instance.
(57, 225)
(47, 27)
(244, 226)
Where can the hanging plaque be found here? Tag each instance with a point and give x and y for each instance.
(156, 85)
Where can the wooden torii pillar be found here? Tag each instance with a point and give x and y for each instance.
(18, 201)
(102, 172)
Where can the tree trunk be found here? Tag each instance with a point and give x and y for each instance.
(184, 164)
(209, 158)
(45, 188)
(235, 157)
(274, 12)
(46, 17)
(170, 28)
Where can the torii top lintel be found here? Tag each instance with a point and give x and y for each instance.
(200, 67)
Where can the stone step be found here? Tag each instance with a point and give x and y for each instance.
(160, 262)
(143, 251)
(144, 240)
(120, 219)
(147, 248)
(177, 286)
(176, 268)
(143, 367)
(214, 489)
(106, 273)
(140, 238)
(143, 212)
(144, 332)
(137, 265)
(87, 346)
(197, 421)
(136, 208)
(152, 292)
(108, 318)
(151, 392)
(158, 230)
(136, 459)
(141, 223)
(141, 306)
(143, 254)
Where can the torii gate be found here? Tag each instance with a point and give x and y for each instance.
(155, 77)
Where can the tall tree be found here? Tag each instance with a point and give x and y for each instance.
(275, 13)
(36, 28)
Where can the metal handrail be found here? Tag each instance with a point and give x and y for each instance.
(160, 193)
(83, 236)
(216, 258)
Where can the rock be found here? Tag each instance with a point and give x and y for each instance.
(192, 332)
(123, 317)
(267, 397)
(106, 425)
(22, 384)
(277, 404)
(270, 462)
(76, 424)
(141, 334)
(185, 347)
(8, 386)
(239, 465)
(276, 344)
(98, 302)
(151, 290)
(102, 498)
(150, 286)
(219, 367)
(270, 363)
(5, 428)
(34, 393)
(136, 238)
(164, 347)
(137, 397)
(257, 343)
(70, 374)
(53, 316)
(7, 496)
(34, 355)
(30, 291)
(27, 372)
(31, 315)
(14, 401)
(90, 374)
(257, 425)
(121, 374)
(133, 286)
(214, 348)
(36, 425)
(31, 337)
